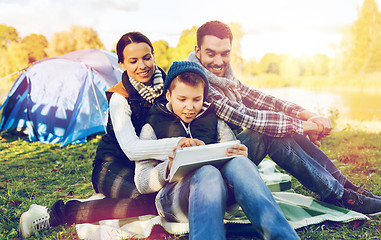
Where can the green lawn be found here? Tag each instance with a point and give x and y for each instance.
(41, 174)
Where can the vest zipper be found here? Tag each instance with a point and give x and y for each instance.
(187, 129)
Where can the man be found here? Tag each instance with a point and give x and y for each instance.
(275, 127)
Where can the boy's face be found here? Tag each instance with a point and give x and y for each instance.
(186, 100)
(214, 54)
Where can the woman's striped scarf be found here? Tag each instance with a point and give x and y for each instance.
(150, 93)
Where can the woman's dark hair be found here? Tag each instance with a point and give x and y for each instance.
(128, 38)
(214, 28)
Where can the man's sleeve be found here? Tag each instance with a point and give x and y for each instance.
(255, 99)
(263, 120)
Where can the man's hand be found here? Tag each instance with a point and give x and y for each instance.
(311, 129)
(238, 149)
(324, 124)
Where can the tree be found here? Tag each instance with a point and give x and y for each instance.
(236, 59)
(7, 35)
(17, 56)
(321, 64)
(187, 42)
(270, 63)
(361, 51)
(162, 58)
(77, 38)
(35, 45)
(5, 67)
(289, 66)
(250, 67)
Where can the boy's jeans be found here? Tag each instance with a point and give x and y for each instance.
(203, 196)
(299, 157)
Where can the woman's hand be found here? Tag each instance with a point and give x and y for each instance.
(238, 149)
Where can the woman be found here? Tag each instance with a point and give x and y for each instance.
(113, 172)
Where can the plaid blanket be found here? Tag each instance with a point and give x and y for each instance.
(299, 210)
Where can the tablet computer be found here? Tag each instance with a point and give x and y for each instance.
(190, 158)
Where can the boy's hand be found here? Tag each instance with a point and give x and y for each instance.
(170, 158)
(184, 142)
(188, 142)
(238, 149)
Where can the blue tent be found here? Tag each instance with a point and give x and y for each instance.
(62, 99)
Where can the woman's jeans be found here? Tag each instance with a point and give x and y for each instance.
(202, 198)
(299, 157)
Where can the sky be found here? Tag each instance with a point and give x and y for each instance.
(299, 27)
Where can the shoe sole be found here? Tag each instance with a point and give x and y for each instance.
(21, 229)
(374, 214)
(23, 216)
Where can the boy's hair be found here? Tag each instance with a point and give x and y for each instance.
(189, 78)
(189, 72)
(214, 28)
(128, 38)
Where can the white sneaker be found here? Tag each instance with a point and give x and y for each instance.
(35, 219)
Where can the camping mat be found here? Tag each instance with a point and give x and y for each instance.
(299, 210)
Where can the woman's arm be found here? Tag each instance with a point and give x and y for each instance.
(150, 174)
(132, 146)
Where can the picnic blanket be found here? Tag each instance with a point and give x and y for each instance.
(299, 210)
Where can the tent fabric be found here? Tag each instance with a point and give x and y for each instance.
(62, 99)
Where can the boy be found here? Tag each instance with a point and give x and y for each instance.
(201, 198)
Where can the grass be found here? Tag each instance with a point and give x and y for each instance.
(41, 174)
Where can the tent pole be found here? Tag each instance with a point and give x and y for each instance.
(96, 98)
(17, 72)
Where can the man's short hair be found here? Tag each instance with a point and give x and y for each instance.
(214, 28)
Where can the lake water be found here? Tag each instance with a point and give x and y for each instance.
(357, 106)
(352, 105)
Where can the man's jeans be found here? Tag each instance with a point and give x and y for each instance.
(204, 196)
(299, 157)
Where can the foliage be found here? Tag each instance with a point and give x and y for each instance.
(250, 68)
(185, 46)
(360, 48)
(35, 45)
(236, 60)
(18, 53)
(77, 38)
(161, 57)
(270, 63)
(359, 52)
(7, 35)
